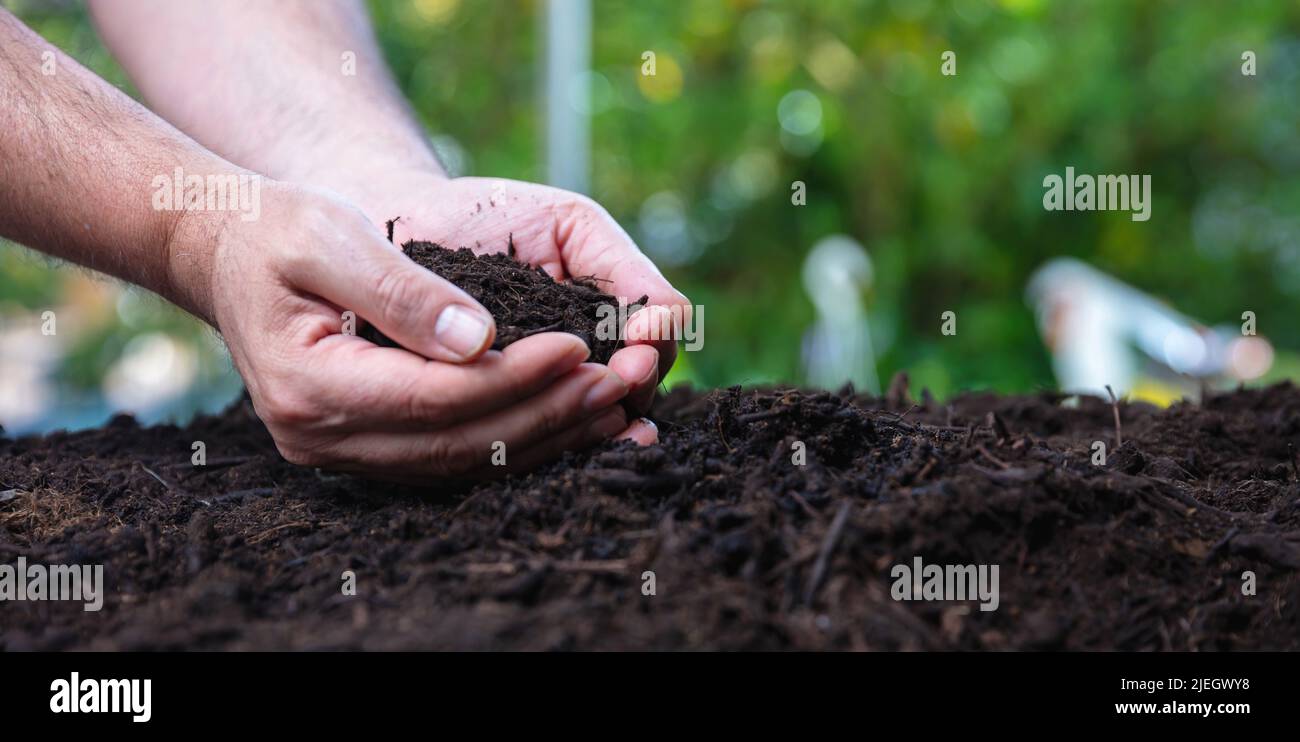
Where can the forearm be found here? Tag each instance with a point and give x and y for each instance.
(273, 86)
(78, 162)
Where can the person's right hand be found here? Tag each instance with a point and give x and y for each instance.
(277, 289)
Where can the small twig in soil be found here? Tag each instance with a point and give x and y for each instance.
(1194, 504)
(1295, 470)
(466, 502)
(896, 396)
(1222, 544)
(151, 473)
(999, 428)
(754, 417)
(899, 418)
(828, 548)
(999, 462)
(723, 436)
(1114, 407)
(799, 559)
(264, 535)
(299, 560)
(803, 505)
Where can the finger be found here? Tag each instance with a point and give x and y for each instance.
(393, 389)
(594, 244)
(658, 327)
(641, 431)
(417, 308)
(638, 366)
(607, 424)
(610, 425)
(573, 400)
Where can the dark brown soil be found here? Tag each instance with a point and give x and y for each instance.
(524, 300)
(748, 549)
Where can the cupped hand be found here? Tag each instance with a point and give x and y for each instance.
(567, 234)
(281, 290)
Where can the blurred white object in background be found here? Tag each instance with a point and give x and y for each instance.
(1102, 332)
(154, 371)
(837, 349)
(28, 359)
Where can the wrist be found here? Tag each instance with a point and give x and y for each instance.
(191, 257)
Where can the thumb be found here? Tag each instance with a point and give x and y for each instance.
(417, 308)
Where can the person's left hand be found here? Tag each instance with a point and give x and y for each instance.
(566, 234)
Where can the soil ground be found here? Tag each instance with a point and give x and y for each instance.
(748, 549)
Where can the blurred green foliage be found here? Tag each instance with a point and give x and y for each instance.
(939, 177)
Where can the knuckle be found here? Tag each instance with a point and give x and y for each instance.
(449, 453)
(549, 420)
(421, 407)
(319, 220)
(282, 411)
(295, 452)
(400, 295)
(292, 262)
(576, 206)
(320, 216)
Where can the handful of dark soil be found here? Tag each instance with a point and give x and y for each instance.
(523, 300)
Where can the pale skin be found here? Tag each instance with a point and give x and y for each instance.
(259, 87)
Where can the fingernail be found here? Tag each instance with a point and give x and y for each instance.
(606, 392)
(462, 331)
(637, 432)
(651, 367)
(579, 353)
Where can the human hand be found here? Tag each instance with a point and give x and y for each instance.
(566, 234)
(277, 289)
